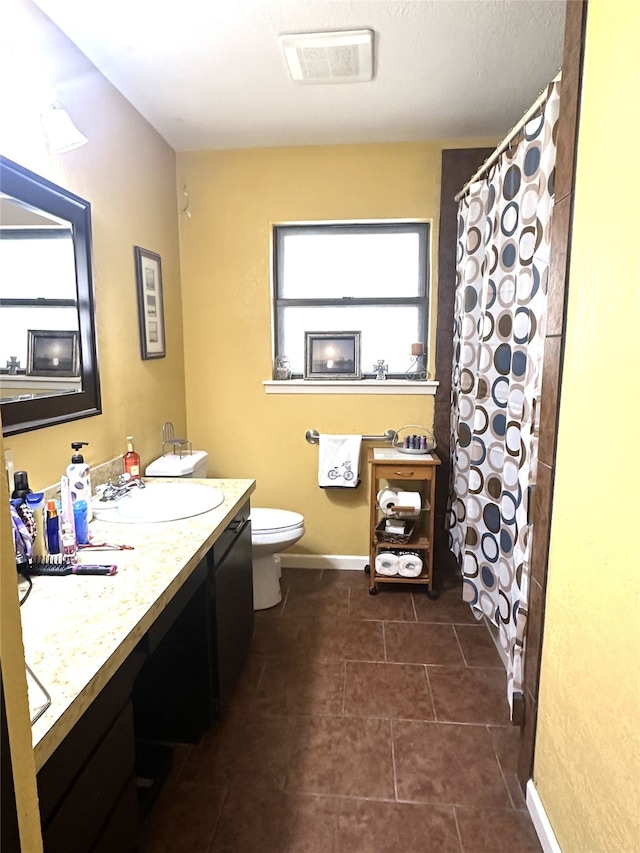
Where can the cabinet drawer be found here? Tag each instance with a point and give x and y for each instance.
(76, 824)
(120, 835)
(229, 535)
(57, 776)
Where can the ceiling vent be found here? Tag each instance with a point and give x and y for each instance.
(338, 57)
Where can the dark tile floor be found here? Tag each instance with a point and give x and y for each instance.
(362, 724)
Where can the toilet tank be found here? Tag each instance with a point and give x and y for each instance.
(173, 465)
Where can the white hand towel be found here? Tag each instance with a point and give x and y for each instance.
(409, 565)
(339, 461)
(387, 563)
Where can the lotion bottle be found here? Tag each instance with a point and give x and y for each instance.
(131, 460)
(80, 477)
(35, 502)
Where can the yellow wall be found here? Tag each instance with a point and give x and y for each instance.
(127, 172)
(587, 761)
(235, 197)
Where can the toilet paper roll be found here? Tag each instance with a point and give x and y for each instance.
(386, 563)
(409, 565)
(387, 499)
(410, 499)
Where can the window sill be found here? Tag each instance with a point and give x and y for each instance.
(350, 386)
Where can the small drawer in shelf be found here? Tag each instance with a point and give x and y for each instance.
(400, 471)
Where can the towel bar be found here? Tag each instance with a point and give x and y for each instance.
(313, 436)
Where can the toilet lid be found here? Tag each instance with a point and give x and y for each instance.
(273, 520)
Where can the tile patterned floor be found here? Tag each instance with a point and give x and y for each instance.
(362, 724)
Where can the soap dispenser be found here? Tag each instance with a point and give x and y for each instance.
(131, 460)
(80, 477)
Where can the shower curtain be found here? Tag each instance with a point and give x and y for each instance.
(499, 328)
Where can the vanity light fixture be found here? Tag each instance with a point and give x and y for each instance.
(62, 134)
(335, 57)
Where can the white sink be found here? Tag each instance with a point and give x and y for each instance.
(159, 502)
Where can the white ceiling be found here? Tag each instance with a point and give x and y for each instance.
(210, 74)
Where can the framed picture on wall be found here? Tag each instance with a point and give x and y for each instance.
(332, 355)
(150, 303)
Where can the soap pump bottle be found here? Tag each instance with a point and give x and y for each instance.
(131, 460)
(80, 477)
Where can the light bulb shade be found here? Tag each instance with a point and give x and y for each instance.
(62, 134)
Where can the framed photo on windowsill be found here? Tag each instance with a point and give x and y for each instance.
(332, 355)
(52, 353)
(150, 303)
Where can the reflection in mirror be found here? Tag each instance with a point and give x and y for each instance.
(38, 297)
(48, 365)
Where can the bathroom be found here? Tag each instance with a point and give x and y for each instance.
(215, 268)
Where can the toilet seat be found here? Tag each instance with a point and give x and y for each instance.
(275, 521)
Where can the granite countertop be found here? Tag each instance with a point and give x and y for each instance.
(77, 631)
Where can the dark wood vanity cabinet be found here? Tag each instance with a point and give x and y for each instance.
(174, 685)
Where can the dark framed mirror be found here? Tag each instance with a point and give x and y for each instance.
(48, 352)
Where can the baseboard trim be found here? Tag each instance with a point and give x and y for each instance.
(323, 561)
(541, 823)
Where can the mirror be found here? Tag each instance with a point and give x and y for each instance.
(48, 353)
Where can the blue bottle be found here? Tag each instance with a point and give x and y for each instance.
(81, 521)
(53, 528)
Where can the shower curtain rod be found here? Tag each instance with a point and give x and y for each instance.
(533, 109)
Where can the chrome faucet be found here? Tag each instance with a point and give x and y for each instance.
(111, 492)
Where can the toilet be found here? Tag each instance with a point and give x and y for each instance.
(174, 465)
(272, 531)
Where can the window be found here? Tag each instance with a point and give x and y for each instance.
(367, 277)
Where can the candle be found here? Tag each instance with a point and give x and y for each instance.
(417, 349)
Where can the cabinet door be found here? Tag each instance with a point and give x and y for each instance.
(232, 591)
(172, 693)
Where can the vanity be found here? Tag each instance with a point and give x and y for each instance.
(144, 658)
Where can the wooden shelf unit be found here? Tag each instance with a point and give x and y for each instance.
(405, 471)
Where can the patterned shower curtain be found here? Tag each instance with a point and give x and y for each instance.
(499, 328)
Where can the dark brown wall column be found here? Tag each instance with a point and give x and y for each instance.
(552, 368)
